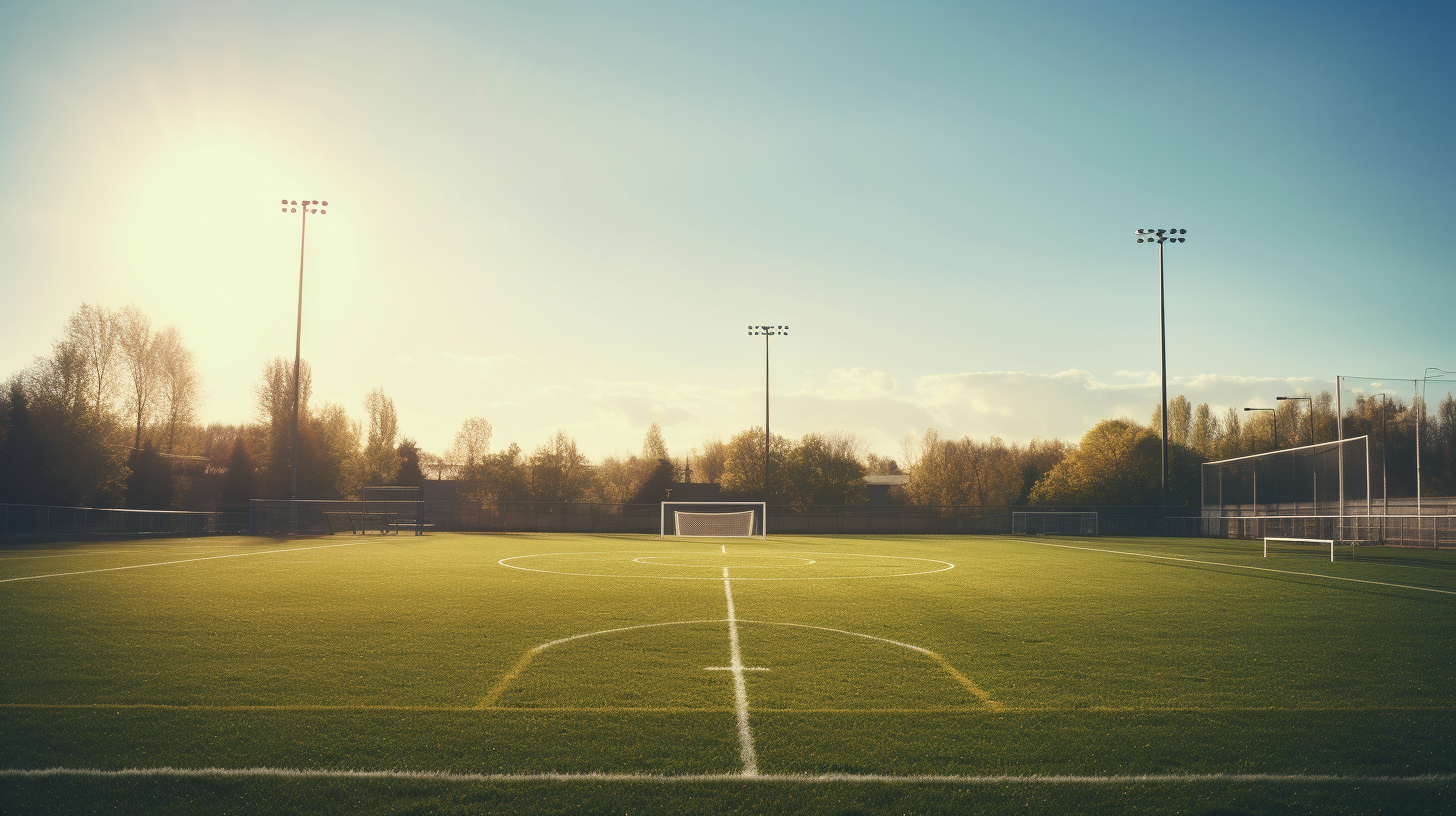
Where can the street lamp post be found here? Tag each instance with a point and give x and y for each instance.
(767, 332)
(1315, 493)
(304, 208)
(1272, 421)
(1159, 237)
(1309, 400)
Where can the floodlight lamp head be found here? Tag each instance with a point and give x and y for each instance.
(325, 204)
(1140, 240)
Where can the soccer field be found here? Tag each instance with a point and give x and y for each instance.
(598, 673)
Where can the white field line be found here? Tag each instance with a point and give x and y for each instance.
(181, 561)
(740, 687)
(492, 697)
(801, 779)
(945, 565)
(1237, 566)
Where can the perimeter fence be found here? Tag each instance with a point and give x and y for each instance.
(282, 516)
(18, 521)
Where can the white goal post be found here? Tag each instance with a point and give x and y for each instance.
(1329, 542)
(1031, 522)
(715, 519)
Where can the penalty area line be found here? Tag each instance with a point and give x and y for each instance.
(801, 779)
(1238, 566)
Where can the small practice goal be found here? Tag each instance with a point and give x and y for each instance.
(714, 519)
(1296, 544)
(1026, 522)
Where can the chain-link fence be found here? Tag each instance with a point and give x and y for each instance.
(44, 521)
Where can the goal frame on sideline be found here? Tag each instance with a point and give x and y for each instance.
(1329, 541)
(762, 506)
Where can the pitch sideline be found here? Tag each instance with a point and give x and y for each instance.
(801, 779)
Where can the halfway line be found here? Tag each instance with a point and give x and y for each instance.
(740, 687)
(182, 561)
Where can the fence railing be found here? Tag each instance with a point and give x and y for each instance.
(46, 521)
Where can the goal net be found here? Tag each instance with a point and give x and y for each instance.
(1050, 523)
(714, 519)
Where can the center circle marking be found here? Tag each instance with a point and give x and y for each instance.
(803, 562)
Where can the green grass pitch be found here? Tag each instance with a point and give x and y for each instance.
(460, 673)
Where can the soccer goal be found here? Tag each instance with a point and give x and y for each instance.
(1025, 522)
(715, 519)
(1299, 545)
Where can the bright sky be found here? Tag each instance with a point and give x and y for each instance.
(565, 215)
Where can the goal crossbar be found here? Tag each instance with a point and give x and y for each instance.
(760, 508)
(1328, 541)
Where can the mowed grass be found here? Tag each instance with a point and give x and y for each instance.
(900, 658)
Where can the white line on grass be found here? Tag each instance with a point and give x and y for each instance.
(740, 687)
(182, 561)
(945, 565)
(951, 779)
(492, 698)
(1238, 566)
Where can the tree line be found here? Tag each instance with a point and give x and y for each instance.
(108, 418)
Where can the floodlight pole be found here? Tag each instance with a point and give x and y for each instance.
(767, 332)
(1159, 236)
(303, 209)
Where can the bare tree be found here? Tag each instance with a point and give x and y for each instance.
(472, 442)
(381, 459)
(653, 447)
(179, 386)
(92, 331)
(138, 352)
(275, 408)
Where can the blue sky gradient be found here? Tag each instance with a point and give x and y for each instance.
(564, 215)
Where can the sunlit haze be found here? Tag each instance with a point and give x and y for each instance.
(565, 216)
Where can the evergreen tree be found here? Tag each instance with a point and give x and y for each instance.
(150, 486)
(22, 453)
(241, 482)
(409, 465)
(654, 488)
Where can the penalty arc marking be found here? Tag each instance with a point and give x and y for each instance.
(492, 698)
